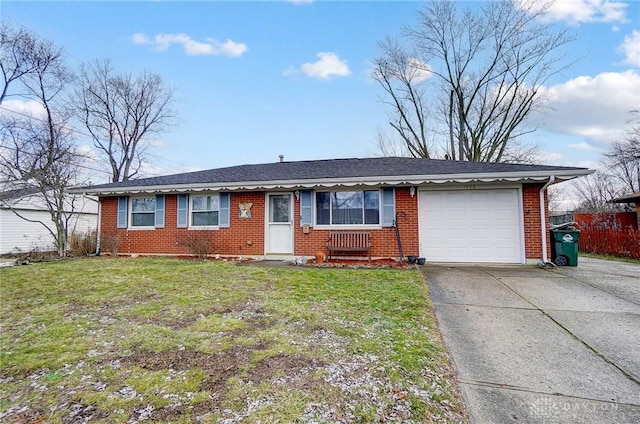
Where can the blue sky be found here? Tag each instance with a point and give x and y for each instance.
(257, 79)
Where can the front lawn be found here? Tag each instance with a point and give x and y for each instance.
(168, 340)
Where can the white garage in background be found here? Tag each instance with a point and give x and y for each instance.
(28, 234)
(478, 225)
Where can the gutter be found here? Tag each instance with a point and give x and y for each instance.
(397, 180)
(97, 253)
(543, 221)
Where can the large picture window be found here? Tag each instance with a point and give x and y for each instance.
(143, 210)
(348, 208)
(205, 210)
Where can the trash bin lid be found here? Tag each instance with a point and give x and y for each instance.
(565, 226)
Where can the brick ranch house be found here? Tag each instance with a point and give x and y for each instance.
(445, 211)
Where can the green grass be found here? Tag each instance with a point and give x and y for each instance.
(117, 340)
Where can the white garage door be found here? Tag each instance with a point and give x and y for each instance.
(471, 226)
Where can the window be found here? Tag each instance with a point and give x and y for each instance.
(279, 208)
(210, 210)
(205, 210)
(348, 208)
(143, 211)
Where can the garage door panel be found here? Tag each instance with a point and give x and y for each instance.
(433, 216)
(471, 226)
(482, 215)
(457, 252)
(482, 255)
(504, 234)
(503, 196)
(456, 214)
(430, 251)
(438, 233)
(456, 234)
(453, 198)
(481, 234)
(505, 214)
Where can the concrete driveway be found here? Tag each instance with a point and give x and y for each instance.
(543, 346)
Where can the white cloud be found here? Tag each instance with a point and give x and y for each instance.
(582, 146)
(544, 157)
(154, 170)
(630, 47)
(591, 164)
(140, 38)
(421, 71)
(328, 65)
(154, 142)
(595, 108)
(19, 107)
(300, 1)
(89, 153)
(576, 12)
(211, 46)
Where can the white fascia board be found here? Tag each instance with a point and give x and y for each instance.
(540, 176)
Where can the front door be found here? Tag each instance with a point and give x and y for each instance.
(279, 224)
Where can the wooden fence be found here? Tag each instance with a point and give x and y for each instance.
(623, 243)
(605, 220)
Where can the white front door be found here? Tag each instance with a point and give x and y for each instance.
(279, 224)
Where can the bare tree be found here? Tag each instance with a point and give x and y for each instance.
(31, 160)
(387, 146)
(18, 55)
(623, 157)
(595, 192)
(121, 112)
(558, 198)
(479, 73)
(401, 77)
(38, 151)
(519, 151)
(620, 173)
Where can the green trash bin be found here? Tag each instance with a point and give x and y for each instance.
(564, 249)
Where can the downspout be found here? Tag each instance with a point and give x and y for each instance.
(543, 220)
(98, 228)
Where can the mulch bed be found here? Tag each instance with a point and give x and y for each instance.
(362, 263)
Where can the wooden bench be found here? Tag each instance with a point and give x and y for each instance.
(349, 241)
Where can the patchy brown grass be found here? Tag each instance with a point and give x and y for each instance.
(165, 340)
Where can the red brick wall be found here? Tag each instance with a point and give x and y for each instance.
(383, 241)
(531, 212)
(247, 237)
(243, 237)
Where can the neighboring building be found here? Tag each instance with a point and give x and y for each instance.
(633, 198)
(18, 235)
(446, 211)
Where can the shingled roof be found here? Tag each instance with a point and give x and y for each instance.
(18, 193)
(333, 172)
(629, 198)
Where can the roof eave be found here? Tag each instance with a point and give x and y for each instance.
(538, 176)
(629, 198)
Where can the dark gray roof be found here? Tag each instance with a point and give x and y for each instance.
(18, 193)
(334, 168)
